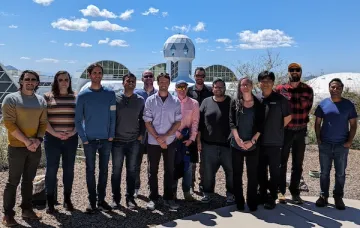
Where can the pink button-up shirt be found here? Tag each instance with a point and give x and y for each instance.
(190, 117)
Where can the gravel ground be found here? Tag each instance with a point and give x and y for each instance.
(143, 218)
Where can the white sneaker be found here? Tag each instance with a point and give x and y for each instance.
(136, 193)
(150, 205)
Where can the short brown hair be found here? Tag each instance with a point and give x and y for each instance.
(166, 75)
(92, 67)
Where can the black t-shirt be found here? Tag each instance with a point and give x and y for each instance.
(276, 108)
(214, 121)
(199, 95)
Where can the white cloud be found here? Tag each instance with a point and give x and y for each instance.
(104, 41)
(266, 38)
(68, 44)
(154, 52)
(218, 47)
(107, 26)
(166, 28)
(94, 11)
(2, 44)
(126, 15)
(25, 58)
(211, 50)
(230, 49)
(84, 45)
(5, 14)
(43, 2)
(200, 40)
(71, 25)
(47, 60)
(165, 14)
(223, 40)
(182, 28)
(199, 27)
(71, 61)
(53, 41)
(151, 10)
(118, 43)
(13, 26)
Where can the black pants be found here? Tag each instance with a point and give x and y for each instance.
(22, 163)
(294, 140)
(269, 156)
(154, 154)
(252, 160)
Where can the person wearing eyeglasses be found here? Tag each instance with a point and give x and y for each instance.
(162, 116)
(61, 139)
(129, 131)
(335, 128)
(95, 119)
(300, 97)
(277, 117)
(25, 118)
(190, 120)
(145, 92)
(214, 132)
(199, 92)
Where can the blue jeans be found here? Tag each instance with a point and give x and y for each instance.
(119, 151)
(54, 149)
(186, 182)
(212, 157)
(339, 154)
(103, 146)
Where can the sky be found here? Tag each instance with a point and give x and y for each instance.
(52, 35)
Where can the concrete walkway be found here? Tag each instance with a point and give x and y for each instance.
(288, 215)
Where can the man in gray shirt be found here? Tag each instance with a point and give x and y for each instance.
(128, 134)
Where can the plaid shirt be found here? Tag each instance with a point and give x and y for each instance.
(300, 101)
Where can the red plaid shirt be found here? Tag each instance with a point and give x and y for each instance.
(300, 101)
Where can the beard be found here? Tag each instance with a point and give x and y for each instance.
(294, 79)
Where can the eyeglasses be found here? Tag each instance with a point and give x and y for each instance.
(294, 70)
(181, 88)
(30, 79)
(148, 76)
(63, 80)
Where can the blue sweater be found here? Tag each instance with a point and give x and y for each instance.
(95, 114)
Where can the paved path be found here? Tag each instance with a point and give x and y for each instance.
(288, 215)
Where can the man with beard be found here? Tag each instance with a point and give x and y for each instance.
(25, 118)
(95, 118)
(214, 132)
(334, 115)
(145, 92)
(300, 97)
(162, 116)
(199, 92)
(128, 134)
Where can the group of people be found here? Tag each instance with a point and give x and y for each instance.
(200, 125)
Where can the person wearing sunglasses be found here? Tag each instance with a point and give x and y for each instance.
(190, 120)
(61, 139)
(129, 131)
(25, 118)
(300, 97)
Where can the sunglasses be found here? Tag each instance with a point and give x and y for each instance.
(294, 70)
(63, 80)
(200, 75)
(181, 88)
(148, 76)
(30, 79)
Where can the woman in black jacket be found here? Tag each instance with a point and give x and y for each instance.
(246, 123)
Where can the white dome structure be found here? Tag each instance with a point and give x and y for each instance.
(179, 51)
(320, 84)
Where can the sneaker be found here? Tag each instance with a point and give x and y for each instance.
(115, 205)
(188, 197)
(281, 198)
(270, 204)
(51, 210)
(104, 206)
(151, 205)
(68, 206)
(322, 201)
(131, 204)
(205, 199)
(339, 203)
(30, 214)
(240, 206)
(91, 209)
(192, 190)
(171, 204)
(9, 221)
(296, 199)
(136, 193)
(230, 199)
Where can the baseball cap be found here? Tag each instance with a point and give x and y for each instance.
(181, 82)
(294, 65)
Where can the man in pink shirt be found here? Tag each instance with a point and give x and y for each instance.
(190, 119)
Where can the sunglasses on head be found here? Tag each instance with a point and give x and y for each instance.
(148, 76)
(63, 80)
(30, 79)
(294, 70)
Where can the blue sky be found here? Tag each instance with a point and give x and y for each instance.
(49, 35)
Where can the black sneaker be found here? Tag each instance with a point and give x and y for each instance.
(91, 209)
(131, 204)
(339, 203)
(296, 199)
(270, 204)
(322, 201)
(104, 206)
(240, 206)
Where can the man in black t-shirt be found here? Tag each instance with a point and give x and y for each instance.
(214, 132)
(277, 116)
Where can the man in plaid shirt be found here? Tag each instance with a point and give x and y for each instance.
(300, 96)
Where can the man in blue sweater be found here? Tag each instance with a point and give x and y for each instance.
(95, 123)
